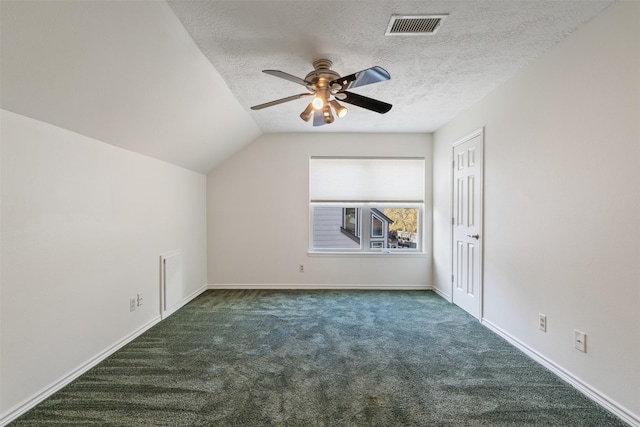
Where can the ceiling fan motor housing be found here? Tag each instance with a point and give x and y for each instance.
(321, 75)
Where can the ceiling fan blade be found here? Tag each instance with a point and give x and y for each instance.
(318, 118)
(365, 77)
(364, 102)
(287, 76)
(280, 101)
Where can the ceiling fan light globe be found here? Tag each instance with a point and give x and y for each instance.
(317, 103)
(340, 110)
(307, 113)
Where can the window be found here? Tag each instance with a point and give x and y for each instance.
(376, 227)
(403, 231)
(328, 231)
(366, 204)
(336, 228)
(351, 221)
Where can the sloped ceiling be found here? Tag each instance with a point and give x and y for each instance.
(122, 72)
(176, 80)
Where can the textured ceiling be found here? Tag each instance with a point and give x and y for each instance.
(433, 78)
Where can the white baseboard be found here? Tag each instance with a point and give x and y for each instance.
(61, 383)
(183, 302)
(323, 286)
(442, 294)
(28, 404)
(592, 393)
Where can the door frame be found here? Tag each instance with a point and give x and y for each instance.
(477, 132)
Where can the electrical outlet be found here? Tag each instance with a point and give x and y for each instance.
(139, 300)
(542, 322)
(132, 304)
(301, 268)
(580, 340)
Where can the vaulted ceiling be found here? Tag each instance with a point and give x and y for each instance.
(128, 73)
(479, 45)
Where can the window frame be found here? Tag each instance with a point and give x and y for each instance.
(366, 182)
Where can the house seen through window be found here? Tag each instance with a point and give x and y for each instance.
(376, 212)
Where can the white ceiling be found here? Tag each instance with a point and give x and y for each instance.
(433, 78)
(122, 72)
(128, 73)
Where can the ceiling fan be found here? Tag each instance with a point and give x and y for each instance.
(327, 87)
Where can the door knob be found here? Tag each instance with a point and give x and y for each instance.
(474, 236)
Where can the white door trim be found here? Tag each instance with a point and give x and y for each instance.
(480, 133)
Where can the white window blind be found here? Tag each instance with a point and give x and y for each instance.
(371, 179)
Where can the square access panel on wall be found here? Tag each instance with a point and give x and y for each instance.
(170, 282)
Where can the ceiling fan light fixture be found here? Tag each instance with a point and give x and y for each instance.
(326, 88)
(340, 110)
(306, 114)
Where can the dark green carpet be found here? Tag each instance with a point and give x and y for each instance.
(318, 358)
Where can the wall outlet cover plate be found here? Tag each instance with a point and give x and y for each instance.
(580, 340)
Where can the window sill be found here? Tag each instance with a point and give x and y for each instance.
(367, 254)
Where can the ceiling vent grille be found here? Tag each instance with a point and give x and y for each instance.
(414, 25)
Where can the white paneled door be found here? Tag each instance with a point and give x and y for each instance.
(467, 224)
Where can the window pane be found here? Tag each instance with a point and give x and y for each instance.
(365, 228)
(403, 231)
(329, 231)
(350, 220)
(376, 227)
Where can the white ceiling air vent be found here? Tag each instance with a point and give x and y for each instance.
(414, 25)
